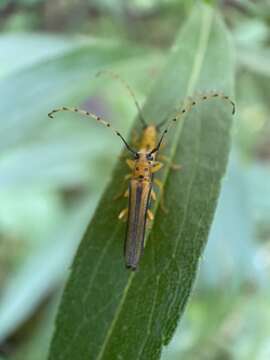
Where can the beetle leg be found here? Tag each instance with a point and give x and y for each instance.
(150, 215)
(168, 161)
(156, 166)
(127, 177)
(122, 193)
(130, 163)
(161, 189)
(123, 214)
(153, 195)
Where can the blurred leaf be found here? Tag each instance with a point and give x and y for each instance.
(231, 235)
(38, 89)
(255, 59)
(259, 191)
(20, 212)
(21, 50)
(252, 127)
(68, 158)
(37, 345)
(250, 33)
(29, 2)
(108, 312)
(210, 2)
(4, 3)
(218, 327)
(259, 10)
(201, 323)
(22, 21)
(43, 271)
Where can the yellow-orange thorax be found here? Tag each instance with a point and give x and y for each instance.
(142, 165)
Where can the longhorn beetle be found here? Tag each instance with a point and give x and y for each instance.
(143, 167)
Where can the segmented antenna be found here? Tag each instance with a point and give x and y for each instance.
(128, 89)
(98, 118)
(189, 104)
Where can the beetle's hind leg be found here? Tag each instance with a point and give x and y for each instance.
(161, 189)
(150, 215)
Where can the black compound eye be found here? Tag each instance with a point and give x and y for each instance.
(150, 157)
(136, 156)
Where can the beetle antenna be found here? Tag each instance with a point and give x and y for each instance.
(192, 101)
(196, 100)
(98, 118)
(129, 90)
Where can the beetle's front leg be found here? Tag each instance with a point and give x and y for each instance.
(168, 161)
(125, 192)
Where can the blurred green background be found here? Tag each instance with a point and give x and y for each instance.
(52, 173)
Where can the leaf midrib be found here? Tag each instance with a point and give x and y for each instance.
(197, 65)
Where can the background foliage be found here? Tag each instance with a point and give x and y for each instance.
(46, 185)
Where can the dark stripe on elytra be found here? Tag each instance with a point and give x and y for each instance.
(131, 235)
(134, 225)
(136, 245)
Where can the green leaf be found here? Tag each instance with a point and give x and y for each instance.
(108, 312)
(22, 50)
(256, 60)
